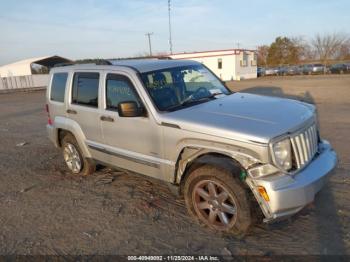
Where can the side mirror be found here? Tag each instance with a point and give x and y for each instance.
(130, 109)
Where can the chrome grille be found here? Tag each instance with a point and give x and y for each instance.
(305, 145)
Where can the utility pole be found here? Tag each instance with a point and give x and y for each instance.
(149, 42)
(238, 44)
(170, 40)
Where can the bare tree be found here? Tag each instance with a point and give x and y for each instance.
(262, 53)
(344, 51)
(327, 46)
(304, 49)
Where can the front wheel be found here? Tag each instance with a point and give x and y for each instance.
(215, 198)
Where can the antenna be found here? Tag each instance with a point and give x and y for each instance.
(149, 42)
(170, 40)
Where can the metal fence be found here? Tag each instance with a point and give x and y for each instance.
(23, 82)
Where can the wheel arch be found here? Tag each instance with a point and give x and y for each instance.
(67, 126)
(220, 160)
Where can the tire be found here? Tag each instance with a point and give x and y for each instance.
(72, 155)
(202, 206)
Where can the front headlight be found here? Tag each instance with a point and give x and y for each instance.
(282, 154)
(262, 171)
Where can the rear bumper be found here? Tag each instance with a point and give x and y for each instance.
(289, 194)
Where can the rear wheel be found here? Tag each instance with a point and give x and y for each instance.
(74, 159)
(216, 199)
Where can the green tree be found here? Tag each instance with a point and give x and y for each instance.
(283, 51)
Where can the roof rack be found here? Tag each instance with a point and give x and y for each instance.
(97, 62)
(164, 58)
(103, 62)
(63, 64)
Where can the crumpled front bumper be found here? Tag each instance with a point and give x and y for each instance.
(290, 193)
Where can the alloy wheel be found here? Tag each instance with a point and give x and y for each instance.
(214, 204)
(72, 158)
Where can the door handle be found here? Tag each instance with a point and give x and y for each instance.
(71, 111)
(107, 118)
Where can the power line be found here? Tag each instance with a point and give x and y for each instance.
(149, 42)
(170, 40)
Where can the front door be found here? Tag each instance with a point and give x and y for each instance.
(132, 143)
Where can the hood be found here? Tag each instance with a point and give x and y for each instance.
(243, 116)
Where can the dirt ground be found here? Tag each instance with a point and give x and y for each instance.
(45, 210)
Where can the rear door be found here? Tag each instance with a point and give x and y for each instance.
(85, 103)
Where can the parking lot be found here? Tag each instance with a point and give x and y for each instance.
(45, 210)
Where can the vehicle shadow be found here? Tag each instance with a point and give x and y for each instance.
(278, 92)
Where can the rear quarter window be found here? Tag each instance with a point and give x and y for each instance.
(58, 87)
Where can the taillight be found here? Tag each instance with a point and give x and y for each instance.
(49, 121)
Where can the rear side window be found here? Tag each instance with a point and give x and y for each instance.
(119, 89)
(58, 87)
(85, 89)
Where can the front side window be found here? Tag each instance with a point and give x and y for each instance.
(119, 89)
(174, 88)
(85, 89)
(58, 87)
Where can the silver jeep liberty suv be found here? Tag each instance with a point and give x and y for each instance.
(228, 153)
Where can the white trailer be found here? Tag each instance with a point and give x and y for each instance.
(229, 64)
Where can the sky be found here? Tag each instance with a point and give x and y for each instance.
(79, 29)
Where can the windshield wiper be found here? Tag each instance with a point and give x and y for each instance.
(213, 95)
(189, 100)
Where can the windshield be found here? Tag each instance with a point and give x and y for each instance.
(179, 87)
